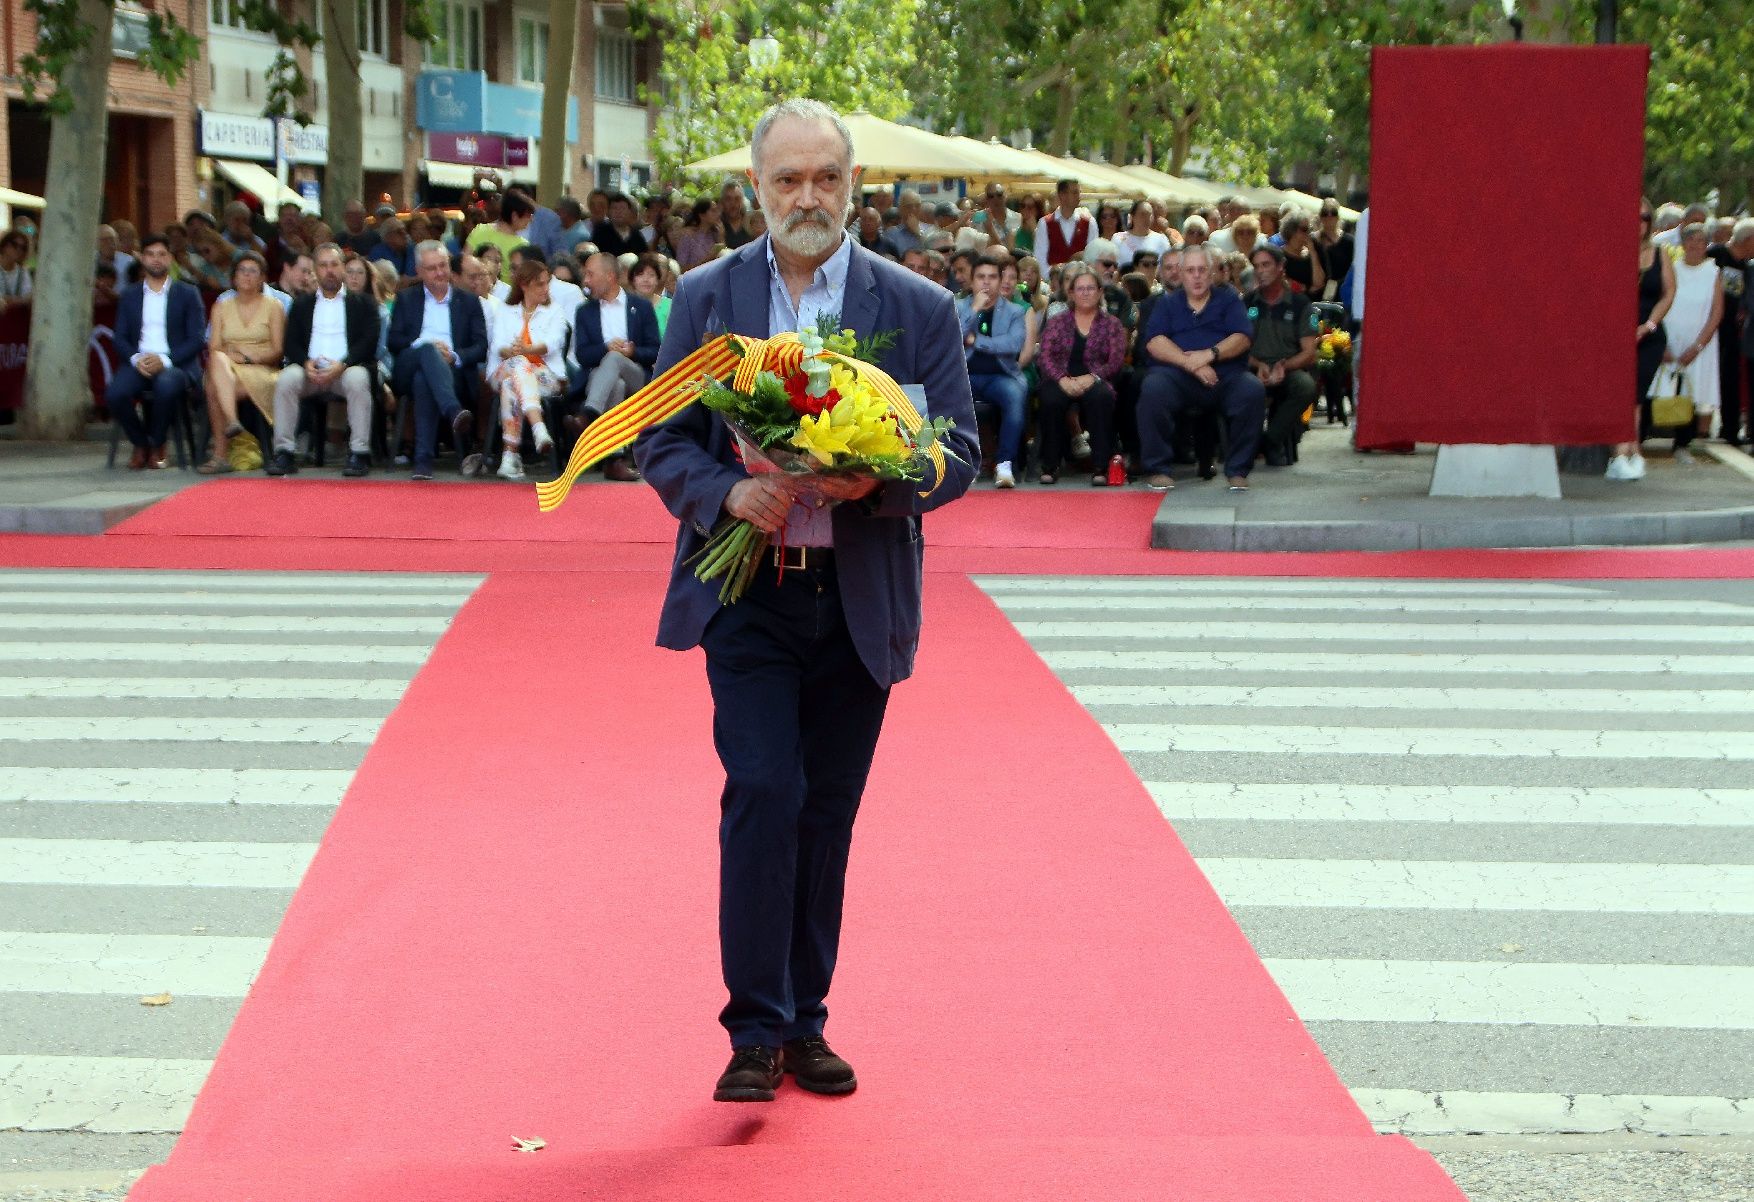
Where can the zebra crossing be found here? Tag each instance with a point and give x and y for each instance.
(1493, 839)
(172, 746)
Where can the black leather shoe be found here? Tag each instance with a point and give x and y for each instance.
(752, 1076)
(460, 427)
(357, 465)
(283, 464)
(816, 1068)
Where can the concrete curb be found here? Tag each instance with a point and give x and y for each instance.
(1179, 528)
(89, 513)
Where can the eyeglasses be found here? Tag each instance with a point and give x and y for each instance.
(1108, 262)
(1644, 216)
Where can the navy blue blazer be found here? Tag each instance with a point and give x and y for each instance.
(468, 331)
(878, 547)
(642, 331)
(185, 324)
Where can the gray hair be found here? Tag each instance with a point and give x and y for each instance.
(430, 247)
(802, 110)
(1294, 222)
(1721, 228)
(1196, 222)
(1743, 232)
(1198, 248)
(1697, 207)
(1693, 229)
(1668, 216)
(1076, 270)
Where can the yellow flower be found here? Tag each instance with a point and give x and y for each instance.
(818, 437)
(858, 425)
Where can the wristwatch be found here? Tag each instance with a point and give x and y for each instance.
(245, 355)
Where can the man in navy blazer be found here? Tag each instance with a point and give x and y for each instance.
(615, 343)
(800, 668)
(159, 331)
(438, 337)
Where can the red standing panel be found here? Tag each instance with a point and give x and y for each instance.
(1505, 183)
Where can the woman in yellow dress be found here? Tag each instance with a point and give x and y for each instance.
(243, 356)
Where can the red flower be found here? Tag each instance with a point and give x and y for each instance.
(802, 402)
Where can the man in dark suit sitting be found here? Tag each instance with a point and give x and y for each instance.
(159, 332)
(615, 344)
(438, 337)
(806, 659)
(331, 347)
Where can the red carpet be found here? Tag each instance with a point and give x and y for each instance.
(514, 936)
(622, 513)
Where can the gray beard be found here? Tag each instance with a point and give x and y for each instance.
(806, 238)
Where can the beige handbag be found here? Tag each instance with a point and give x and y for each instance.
(1670, 410)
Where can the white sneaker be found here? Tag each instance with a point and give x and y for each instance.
(1684, 457)
(1620, 467)
(1002, 477)
(1081, 446)
(1635, 468)
(511, 467)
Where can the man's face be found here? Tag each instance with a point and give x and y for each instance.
(915, 261)
(806, 185)
(156, 260)
(1069, 196)
(478, 276)
(435, 270)
(598, 205)
(1107, 266)
(1145, 264)
(298, 275)
(1169, 272)
(354, 217)
(106, 242)
(621, 214)
(237, 221)
(291, 219)
(731, 204)
(870, 224)
(601, 279)
(1196, 276)
(331, 271)
(985, 278)
(964, 275)
(910, 208)
(396, 238)
(995, 199)
(1245, 240)
(1267, 270)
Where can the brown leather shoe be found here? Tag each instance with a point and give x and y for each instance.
(574, 423)
(815, 1067)
(137, 460)
(752, 1076)
(621, 468)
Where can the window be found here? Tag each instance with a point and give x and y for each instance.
(373, 23)
(457, 40)
(225, 13)
(532, 50)
(615, 67)
(637, 178)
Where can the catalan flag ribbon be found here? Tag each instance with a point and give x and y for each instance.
(679, 387)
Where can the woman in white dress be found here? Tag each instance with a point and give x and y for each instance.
(526, 355)
(1691, 330)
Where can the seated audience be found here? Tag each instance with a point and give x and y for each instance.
(647, 280)
(993, 335)
(438, 339)
(396, 248)
(1082, 352)
(1139, 237)
(615, 344)
(526, 355)
(246, 333)
(1303, 262)
(620, 235)
(356, 236)
(238, 230)
(331, 347)
(158, 332)
(1196, 349)
(298, 273)
(14, 275)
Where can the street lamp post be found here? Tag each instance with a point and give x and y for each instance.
(1607, 21)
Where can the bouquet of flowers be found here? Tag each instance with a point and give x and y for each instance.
(811, 405)
(1334, 350)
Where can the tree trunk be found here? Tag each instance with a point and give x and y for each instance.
(1060, 141)
(1123, 139)
(563, 34)
(1183, 133)
(344, 173)
(57, 392)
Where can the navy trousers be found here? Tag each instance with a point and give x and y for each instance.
(426, 377)
(796, 717)
(162, 394)
(1170, 394)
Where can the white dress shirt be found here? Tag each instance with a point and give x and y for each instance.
(565, 296)
(435, 319)
(1068, 228)
(808, 524)
(612, 316)
(329, 328)
(549, 326)
(154, 324)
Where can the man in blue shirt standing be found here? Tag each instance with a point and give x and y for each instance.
(1197, 343)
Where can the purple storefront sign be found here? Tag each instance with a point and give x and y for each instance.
(478, 150)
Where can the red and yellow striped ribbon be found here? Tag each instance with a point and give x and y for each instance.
(679, 387)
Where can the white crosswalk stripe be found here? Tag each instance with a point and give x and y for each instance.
(1284, 725)
(120, 882)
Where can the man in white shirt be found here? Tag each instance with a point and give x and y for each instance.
(159, 332)
(1065, 233)
(331, 347)
(615, 343)
(995, 218)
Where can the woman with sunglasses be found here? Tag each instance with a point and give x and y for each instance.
(1656, 293)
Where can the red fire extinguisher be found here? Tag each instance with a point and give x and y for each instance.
(1117, 471)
